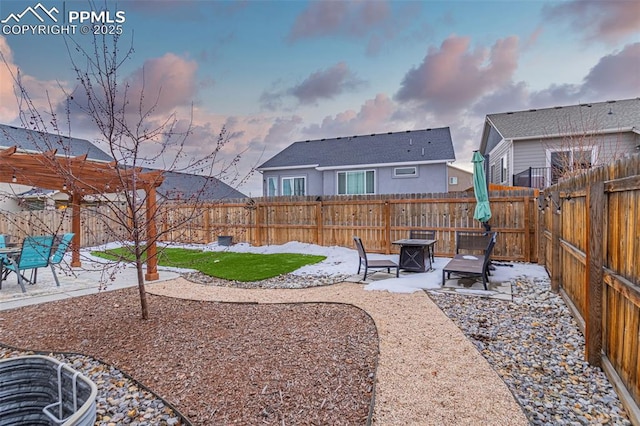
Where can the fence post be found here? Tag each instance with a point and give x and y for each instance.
(541, 226)
(207, 225)
(387, 226)
(527, 230)
(258, 228)
(595, 260)
(556, 231)
(319, 223)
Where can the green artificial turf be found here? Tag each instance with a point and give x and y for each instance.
(226, 265)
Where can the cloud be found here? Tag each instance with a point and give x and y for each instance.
(166, 82)
(42, 95)
(322, 18)
(375, 116)
(453, 77)
(607, 21)
(375, 20)
(323, 84)
(8, 69)
(616, 75)
(326, 84)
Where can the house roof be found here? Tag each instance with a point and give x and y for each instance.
(411, 146)
(609, 116)
(183, 186)
(34, 141)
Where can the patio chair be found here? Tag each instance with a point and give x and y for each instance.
(424, 234)
(466, 265)
(34, 254)
(63, 244)
(373, 264)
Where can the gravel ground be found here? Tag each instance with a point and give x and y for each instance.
(537, 348)
(532, 343)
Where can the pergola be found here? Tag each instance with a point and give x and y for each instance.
(78, 177)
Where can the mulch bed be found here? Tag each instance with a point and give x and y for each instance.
(219, 363)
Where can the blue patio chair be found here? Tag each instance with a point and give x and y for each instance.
(35, 254)
(58, 253)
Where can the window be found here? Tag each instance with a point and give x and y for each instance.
(355, 183)
(504, 170)
(453, 180)
(563, 162)
(272, 187)
(405, 172)
(293, 185)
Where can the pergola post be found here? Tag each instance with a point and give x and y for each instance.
(152, 233)
(75, 228)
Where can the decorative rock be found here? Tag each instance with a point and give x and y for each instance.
(535, 345)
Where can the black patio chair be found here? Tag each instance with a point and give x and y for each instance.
(373, 264)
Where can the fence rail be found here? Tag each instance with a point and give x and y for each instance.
(378, 220)
(590, 245)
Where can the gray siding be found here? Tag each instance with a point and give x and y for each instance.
(313, 179)
(532, 153)
(430, 178)
(495, 166)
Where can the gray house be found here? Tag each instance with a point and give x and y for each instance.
(536, 147)
(413, 161)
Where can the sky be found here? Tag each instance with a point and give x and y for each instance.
(276, 72)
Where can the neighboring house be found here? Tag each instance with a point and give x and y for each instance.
(15, 197)
(459, 179)
(536, 147)
(387, 163)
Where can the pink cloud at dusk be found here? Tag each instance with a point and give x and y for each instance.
(42, 93)
(374, 116)
(169, 81)
(323, 18)
(452, 77)
(607, 21)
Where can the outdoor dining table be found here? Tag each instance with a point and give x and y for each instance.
(415, 254)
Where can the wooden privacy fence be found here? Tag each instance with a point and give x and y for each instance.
(590, 244)
(378, 220)
(97, 224)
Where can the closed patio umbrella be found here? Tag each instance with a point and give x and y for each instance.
(483, 211)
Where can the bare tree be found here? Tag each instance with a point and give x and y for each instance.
(577, 145)
(137, 136)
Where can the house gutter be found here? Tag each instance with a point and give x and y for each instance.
(587, 133)
(306, 166)
(404, 163)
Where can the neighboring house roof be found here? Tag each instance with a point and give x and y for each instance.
(599, 117)
(32, 140)
(184, 186)
(411, 146)
(174, 183)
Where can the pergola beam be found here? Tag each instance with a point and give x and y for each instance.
(78, 177)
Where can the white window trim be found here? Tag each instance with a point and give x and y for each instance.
(304, 178)
(402, 176)
(548, 151)
(375, 189)
(504, 165)
(453, 180)
(273, 178)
